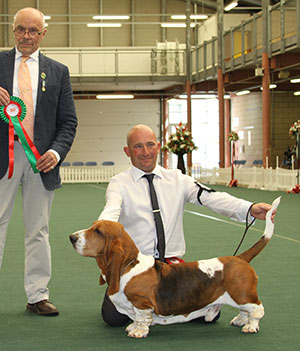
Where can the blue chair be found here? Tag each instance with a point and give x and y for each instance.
(77, 163)
(257, 163)
(66, 164)
(91, 163)
(108, 163)
(239, 162)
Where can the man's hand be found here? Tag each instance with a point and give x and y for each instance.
(260, 210)
(46, 162)
(4, 97)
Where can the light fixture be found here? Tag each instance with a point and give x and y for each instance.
(103, 17)
(194, 17)
(199, 96)
(271, 86)
(243, 92)
(297, 93)
(296, 80)
(176, 25)
(231, 5)
(114, 96)
(91, 25)
(47, 18)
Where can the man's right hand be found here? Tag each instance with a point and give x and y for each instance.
(4, 97)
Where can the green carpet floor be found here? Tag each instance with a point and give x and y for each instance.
(75, 290)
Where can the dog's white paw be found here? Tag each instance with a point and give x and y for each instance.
(212, 313)
(240, 320)
(130, 327)
(137, 330)
(250, 328)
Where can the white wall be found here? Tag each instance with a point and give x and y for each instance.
(209, 28)
(103, 126)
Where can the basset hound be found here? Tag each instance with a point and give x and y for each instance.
(152, 292)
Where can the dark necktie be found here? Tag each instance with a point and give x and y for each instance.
(157, 218)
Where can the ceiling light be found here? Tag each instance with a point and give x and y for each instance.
(244, 92)
(203, 96)
(114, 96)
(104, 25)
(183, 17)
(296, 80)
(100, 17)
(47, 18)
(176, 25)
(297, 93)
(271, 86)
(231, 5)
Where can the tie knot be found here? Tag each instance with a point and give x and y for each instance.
(149, 177)
(25, 58)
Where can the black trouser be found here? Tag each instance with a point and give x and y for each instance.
(110, 314)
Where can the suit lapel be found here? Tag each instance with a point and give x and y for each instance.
(44, 74)
(8, 68)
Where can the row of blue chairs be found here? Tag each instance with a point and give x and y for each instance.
(89, 163)
(239, 162)
(242, 162)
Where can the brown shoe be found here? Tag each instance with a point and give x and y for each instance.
(43, 308)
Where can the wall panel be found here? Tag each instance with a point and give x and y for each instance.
(103, 126)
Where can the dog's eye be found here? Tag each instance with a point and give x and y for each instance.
(98, 231)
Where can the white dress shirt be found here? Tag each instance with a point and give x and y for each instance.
(33, 65)
(128, 202)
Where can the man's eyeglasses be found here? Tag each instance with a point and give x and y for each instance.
(32, 32)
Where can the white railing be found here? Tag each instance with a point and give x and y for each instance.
(89, 174)
(252, 177)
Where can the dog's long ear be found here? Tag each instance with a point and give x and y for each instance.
(102, 281)
(113, 269)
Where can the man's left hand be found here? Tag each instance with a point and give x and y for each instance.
(46, 162)
(260, 210)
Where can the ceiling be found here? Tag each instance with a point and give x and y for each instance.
(283, 68)
(244, 6)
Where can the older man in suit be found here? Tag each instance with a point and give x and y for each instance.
(53, 129)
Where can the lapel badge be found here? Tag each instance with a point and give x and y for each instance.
(43, 76)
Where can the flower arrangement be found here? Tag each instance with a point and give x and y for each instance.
(180, 142)
(233, 136)
(294, 129)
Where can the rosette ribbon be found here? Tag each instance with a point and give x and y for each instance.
(13, 114)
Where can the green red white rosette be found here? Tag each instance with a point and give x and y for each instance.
(13, 114)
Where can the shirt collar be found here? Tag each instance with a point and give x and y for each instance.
(34, 56)
(138, 173)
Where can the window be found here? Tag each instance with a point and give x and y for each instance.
(205, 129)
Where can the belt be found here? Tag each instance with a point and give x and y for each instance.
(16, 137)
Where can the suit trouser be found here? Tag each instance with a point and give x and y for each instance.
(37, 202)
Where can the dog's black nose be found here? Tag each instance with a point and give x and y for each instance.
(73, 238)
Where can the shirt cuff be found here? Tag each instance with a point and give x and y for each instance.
(56, 154)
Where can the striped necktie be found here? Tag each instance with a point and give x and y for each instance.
(25, 93)
(161, 245)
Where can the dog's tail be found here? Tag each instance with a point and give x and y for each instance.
(249, 254)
